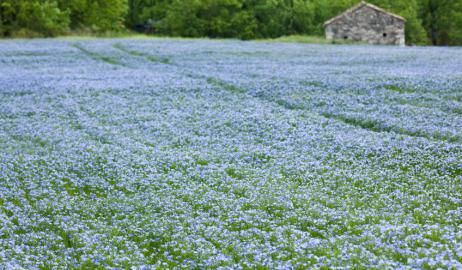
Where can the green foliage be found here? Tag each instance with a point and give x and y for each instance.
(326, 9)
(443, 21)
(248, 19)
(32, 18)
(438, 22)
(96, 15)
(245, 19)
(311, 40)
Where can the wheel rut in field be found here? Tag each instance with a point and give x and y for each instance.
(150, 57)
(369, 124)
(98, 57)
(366, 124)
(188, 72)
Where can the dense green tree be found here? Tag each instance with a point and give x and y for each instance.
(97, 15)
(8, 17)
(31, 18)
(443, 21)
(53, 17)
(229, 18)
(302, 17)
(326, 9)
(135, 9)
(455, 26)
(438, 22)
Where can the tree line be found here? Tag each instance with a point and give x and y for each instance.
(437, 22)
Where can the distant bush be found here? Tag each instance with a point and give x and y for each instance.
(34, 18)
(96, 15)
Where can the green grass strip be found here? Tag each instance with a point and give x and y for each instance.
(149, 57)
(399, 89)
(377, 126)
(227, 86)
(97, 56)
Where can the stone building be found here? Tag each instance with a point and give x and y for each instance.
(368, 23)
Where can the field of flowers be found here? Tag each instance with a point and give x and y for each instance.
(208, 154)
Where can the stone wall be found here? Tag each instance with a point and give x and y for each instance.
(368, 25)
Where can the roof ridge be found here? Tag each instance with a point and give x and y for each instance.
(383, 10)
(358, 6)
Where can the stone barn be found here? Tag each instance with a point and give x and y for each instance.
(368, 23)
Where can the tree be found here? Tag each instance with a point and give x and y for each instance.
(326, 9)
(437, 21)
(97, 15)
(32, 18)
(442, 20)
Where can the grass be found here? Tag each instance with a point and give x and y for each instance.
(401, 90)
(377, 126)
(227, 86)
(137, 36)
(150, 57)
(300, 39)
(309, 40)
(97, 56)
(133, 36)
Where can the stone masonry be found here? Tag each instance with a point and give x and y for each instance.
(367, 23)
